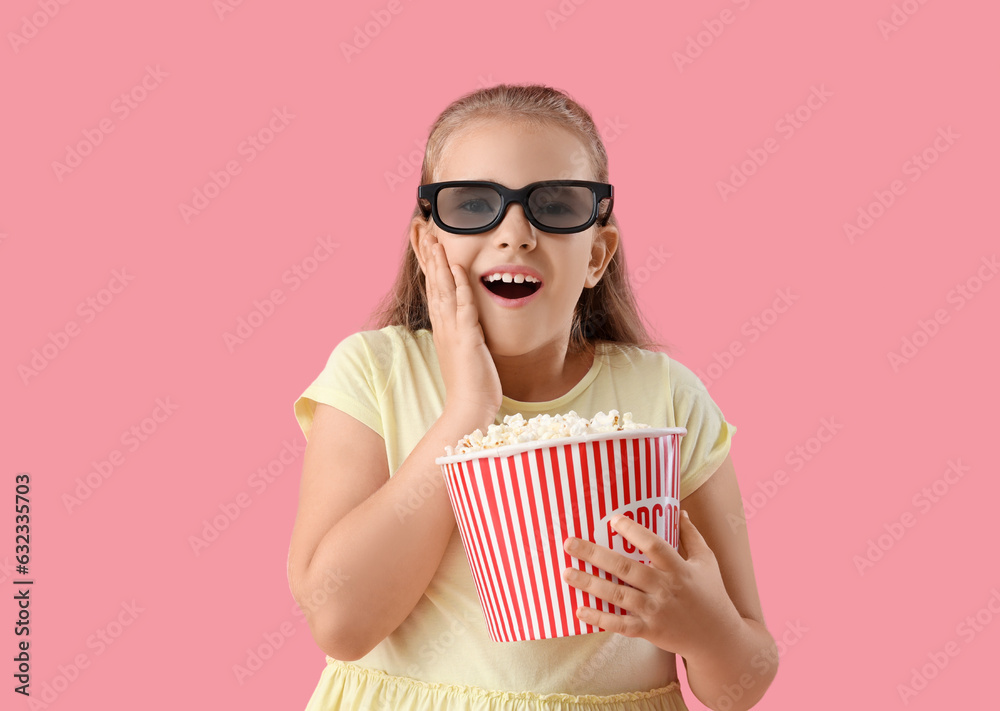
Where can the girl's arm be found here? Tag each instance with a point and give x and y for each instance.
(362, 553)
(732, 672)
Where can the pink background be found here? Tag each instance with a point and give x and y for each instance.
(671, 133)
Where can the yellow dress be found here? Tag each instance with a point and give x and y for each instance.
(346, 687)
(441, 656)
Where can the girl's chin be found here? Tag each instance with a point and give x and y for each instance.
(510, 342)
(517, 342)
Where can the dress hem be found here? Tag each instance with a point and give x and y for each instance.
(377, 676)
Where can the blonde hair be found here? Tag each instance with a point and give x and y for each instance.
(605, 313)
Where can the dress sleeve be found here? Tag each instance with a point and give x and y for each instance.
(350, 382)
(708, 438)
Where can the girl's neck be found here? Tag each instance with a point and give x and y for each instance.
(541, 377)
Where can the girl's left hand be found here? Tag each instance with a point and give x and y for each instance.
(678, 601)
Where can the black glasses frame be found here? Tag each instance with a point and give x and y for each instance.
(427, 194)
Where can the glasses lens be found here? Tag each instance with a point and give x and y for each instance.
(468, 207)
(554, 206)
(562, 206)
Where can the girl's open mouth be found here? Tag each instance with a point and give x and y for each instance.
(511, 293)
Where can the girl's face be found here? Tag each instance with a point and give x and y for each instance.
(515, 155)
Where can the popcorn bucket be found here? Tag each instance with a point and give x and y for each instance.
(516, 505)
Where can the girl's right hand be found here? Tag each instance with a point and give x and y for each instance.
(469, 373)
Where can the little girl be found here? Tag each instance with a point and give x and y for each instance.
(376, 560)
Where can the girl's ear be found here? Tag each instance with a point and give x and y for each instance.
(418, 239)
(601, 251)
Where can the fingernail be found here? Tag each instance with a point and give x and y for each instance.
(616, 520)
(684, 513)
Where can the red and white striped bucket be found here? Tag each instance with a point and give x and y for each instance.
(516, 505)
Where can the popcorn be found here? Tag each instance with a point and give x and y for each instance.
(515, 430)
(513, 509)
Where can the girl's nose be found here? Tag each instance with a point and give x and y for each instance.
(514, 229)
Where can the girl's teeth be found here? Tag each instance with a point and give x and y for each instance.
(508, 278)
